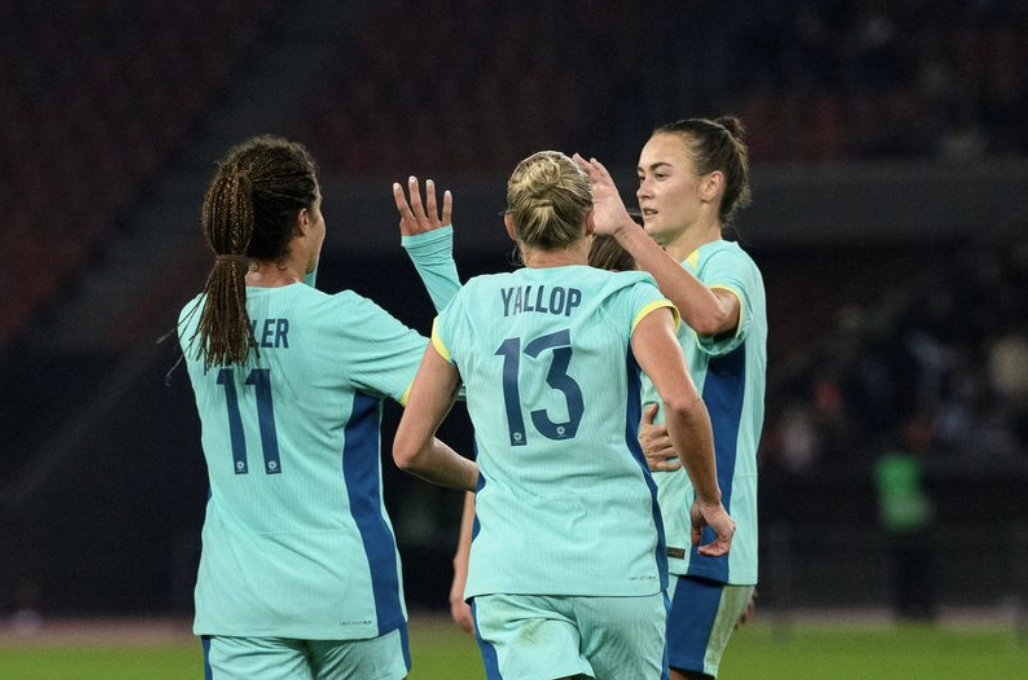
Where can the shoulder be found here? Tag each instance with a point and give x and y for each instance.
(621, 282)
(725, 252)
(725, 258)
(191, 307)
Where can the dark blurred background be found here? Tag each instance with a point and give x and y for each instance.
(889, 145)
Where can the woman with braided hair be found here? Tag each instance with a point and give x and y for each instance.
(299, 574)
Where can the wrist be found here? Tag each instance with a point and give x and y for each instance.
(710, 501)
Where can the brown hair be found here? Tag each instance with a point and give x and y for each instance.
(718, 144)
(606, 253)
(248, 213)
(548, 197)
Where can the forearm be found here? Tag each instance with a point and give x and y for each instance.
(698, 305)
(432, 255)
(437, 463)
(693, 439)
(467, 521)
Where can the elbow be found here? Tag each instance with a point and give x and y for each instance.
(685, 406)
(714, 323)
(405, 454)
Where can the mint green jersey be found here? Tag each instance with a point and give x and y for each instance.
(566, 504)
(729, 373)
(296, 540)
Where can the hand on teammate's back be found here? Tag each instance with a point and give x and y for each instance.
(716, 517)
(413, 216)
(656, 443)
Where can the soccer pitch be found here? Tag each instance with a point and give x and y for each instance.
(835, 651)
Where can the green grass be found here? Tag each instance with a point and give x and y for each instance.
(836, 651)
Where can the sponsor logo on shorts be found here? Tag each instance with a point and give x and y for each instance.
(676, 553)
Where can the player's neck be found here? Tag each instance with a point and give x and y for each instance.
(692, 238)
(266, 274)
(576, 253)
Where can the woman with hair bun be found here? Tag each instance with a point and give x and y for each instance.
(567, 565)
(693, 178)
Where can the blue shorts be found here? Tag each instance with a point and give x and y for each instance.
(542, 637)
(703, 616)
(259, 658)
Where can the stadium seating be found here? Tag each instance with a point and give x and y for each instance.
(477, 93)
(97, 97)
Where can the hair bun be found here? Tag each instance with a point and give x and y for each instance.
(543, 177)
(734, 126)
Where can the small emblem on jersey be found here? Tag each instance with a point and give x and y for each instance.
(560, 430)
(272, 465)
(240, 465)
(518, 436)
(676, 553)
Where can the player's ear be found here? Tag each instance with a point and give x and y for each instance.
(710, 186)
(302, 223)
(590, 224)
(508, 223)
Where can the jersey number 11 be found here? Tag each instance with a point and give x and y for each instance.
(260, 378)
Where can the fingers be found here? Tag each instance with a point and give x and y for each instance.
(417, 217)
(461, 613)
(430, 201)
(601, 170)
(407, 221)
(415, 201)
(718, 547)
(582, 163)
(649, 413)
(447, 207)
(667, 465)
(592, 167)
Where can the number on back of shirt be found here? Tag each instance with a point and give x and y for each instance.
(260, 380)
(560, 351)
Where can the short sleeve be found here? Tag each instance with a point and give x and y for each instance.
(642, 299)
(382, 355)
(448, 330)
(735, 272)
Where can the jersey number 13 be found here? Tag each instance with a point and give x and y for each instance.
(559, 344)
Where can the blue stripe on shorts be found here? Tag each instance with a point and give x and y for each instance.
(492, 664)
(208, 674)
(691, 621)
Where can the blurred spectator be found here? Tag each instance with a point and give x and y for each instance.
(906, 513)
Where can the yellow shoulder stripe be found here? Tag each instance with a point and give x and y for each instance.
(437, 342)
(656, 304)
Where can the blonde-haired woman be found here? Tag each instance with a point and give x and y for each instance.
(567, 568)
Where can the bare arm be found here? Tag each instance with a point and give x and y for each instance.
(659, 355)
(708, 311)
(459, 609)
(415, 448)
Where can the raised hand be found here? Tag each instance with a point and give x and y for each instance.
(609, 213)
(656, 443)
(414, 219)
(716, 517)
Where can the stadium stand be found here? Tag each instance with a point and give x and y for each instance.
(97, 98)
